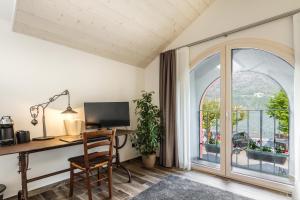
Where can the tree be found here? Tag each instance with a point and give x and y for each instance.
(238, 114)
(278, 107)
(211, 114)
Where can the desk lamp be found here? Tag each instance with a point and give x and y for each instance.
(34, 112)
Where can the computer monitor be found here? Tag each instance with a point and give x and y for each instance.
(106, 114)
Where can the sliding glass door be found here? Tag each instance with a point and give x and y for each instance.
(261, 115)
(208, 128)
(242, 113)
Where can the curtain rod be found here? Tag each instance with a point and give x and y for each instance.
(242, 28)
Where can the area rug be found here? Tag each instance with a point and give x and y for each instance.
(177, 188)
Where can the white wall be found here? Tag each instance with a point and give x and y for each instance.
(33, 70)
(151, 79)
(230, 14)
(224, 15)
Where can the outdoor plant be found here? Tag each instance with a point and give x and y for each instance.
(146, 139)
(268, 154)
(266, 149)
(278, 107)
(210, 114)
(278, 149)
(213, 140)
(252, 145)
(213, 144)
(281, 149)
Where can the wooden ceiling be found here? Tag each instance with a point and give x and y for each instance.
(129, 31)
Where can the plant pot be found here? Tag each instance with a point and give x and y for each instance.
(149, 160)
(212, 148)
(281, 136)
(277, 158)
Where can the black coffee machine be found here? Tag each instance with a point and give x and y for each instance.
(7, 136)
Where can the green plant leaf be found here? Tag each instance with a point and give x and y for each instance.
(278, 107)
(147, 138)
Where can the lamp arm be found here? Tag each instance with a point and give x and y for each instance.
(34, 110)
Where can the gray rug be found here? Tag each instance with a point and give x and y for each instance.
(176, 188)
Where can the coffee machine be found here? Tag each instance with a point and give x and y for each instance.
(7, 136)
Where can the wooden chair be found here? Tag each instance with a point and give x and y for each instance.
(96, 160)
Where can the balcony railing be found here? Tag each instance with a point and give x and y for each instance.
(259, 141)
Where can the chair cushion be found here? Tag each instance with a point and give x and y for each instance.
(79, 160)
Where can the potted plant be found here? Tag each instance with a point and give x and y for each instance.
(278, 155)
(146, 139)
(213, 145)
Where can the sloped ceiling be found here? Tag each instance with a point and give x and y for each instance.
(129, 31)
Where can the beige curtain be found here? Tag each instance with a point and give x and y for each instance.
(167, 100)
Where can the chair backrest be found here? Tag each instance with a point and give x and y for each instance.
(106, 141)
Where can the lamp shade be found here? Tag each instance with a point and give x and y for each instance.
(69, 110)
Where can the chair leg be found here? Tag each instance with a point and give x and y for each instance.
(88, 184)
(110, 181)
(71, 181)
(98, 171)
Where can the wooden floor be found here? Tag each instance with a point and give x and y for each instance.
(143, 179)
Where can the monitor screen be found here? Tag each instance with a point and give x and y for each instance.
(106, 114)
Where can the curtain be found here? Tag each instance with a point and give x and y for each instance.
(167, 100)
(183, 108)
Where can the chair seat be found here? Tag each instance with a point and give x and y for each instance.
(79, 160)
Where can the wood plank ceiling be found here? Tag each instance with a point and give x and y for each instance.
(129, 31)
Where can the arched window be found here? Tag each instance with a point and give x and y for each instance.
(205, 91)
(262, 91)
(242, 111)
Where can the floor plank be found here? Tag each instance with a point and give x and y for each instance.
(143, 179)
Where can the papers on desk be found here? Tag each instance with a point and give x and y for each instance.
(71, 139)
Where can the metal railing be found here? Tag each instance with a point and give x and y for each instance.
(209, 136)
(258, 125)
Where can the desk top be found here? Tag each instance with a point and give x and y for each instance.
(56, 143)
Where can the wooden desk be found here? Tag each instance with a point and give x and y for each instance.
(38, 146)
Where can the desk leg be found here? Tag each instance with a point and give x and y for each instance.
(23, 165)
(118, 163)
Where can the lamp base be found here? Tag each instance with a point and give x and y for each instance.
(43, 138)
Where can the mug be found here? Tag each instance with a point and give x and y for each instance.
(22, 136)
